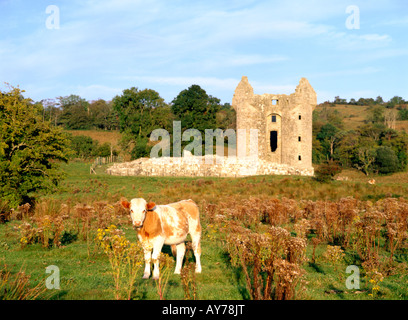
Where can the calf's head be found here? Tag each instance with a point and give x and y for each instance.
(138, 210)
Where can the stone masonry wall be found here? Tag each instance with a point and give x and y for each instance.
(205, 166)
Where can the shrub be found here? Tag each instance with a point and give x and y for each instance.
(83, 146)
(104, 150)
(327, 170)
(271, 262)
(141, 149)
(126, 259)
(30, 150)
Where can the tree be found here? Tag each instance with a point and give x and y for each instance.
(328, 136)
(75, 113)
(196, 109)
(379, 100)
(395, 101)
(346, 149)
(102, 115)
(376, 114)
(366, 158)
(403, 114)
(390, 117)
(386, 161)
(30, 149)
(338, 100)
(140, 112)
(226, 117)
(84, 147)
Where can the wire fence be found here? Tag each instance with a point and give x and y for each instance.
(104, 160)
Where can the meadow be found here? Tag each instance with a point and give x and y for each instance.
(265, 237)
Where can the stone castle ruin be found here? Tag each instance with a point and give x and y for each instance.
(284, 122)
(283, 128)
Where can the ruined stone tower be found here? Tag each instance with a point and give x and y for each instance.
(284, 123)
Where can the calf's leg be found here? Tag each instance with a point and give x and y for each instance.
(147, 257)
(157, 247)
(196, 238)
(181, 250)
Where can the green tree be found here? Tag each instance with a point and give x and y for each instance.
(346, 150)
(30, 149)
(376, 114)
(140, 112)
(226, 117)
(75, 113)
(379, 100)
(329, 136)
(102, 115)
(84, 147)
(386, 161)
(403, 114)
(196, 109)
(395, 101)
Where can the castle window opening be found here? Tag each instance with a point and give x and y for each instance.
(274, 102)
(300, 117)
(273, 118)
(300, 158)
(299, 138)
(273, 140)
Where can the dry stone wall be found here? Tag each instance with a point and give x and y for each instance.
(205, 166)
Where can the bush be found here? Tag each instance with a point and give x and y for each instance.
(327, 170)
(386, 161)
(104, 150)
(83, 146)
(30, 150)
(141, 149)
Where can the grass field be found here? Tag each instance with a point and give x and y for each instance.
(353, 116)
(86, 273)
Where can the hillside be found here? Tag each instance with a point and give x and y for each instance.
(353, 116)
(102, 137)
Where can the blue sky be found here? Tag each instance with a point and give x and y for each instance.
(103, 47)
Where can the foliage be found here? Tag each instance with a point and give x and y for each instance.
(270, 261)
(327, 170)
(75, 112)
(85, 147)
(30, 149)
(362, 148)
(195, 109)
(141, 149)
(140, 112)
(386, 161)
(126, 259)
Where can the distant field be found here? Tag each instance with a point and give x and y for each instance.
(99, 135)
(353, 116)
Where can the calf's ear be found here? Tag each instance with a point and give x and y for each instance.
(150, 206)
(125, 204)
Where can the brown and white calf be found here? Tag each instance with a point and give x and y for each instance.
(165, 224)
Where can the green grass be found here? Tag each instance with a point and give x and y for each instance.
(85, 271)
